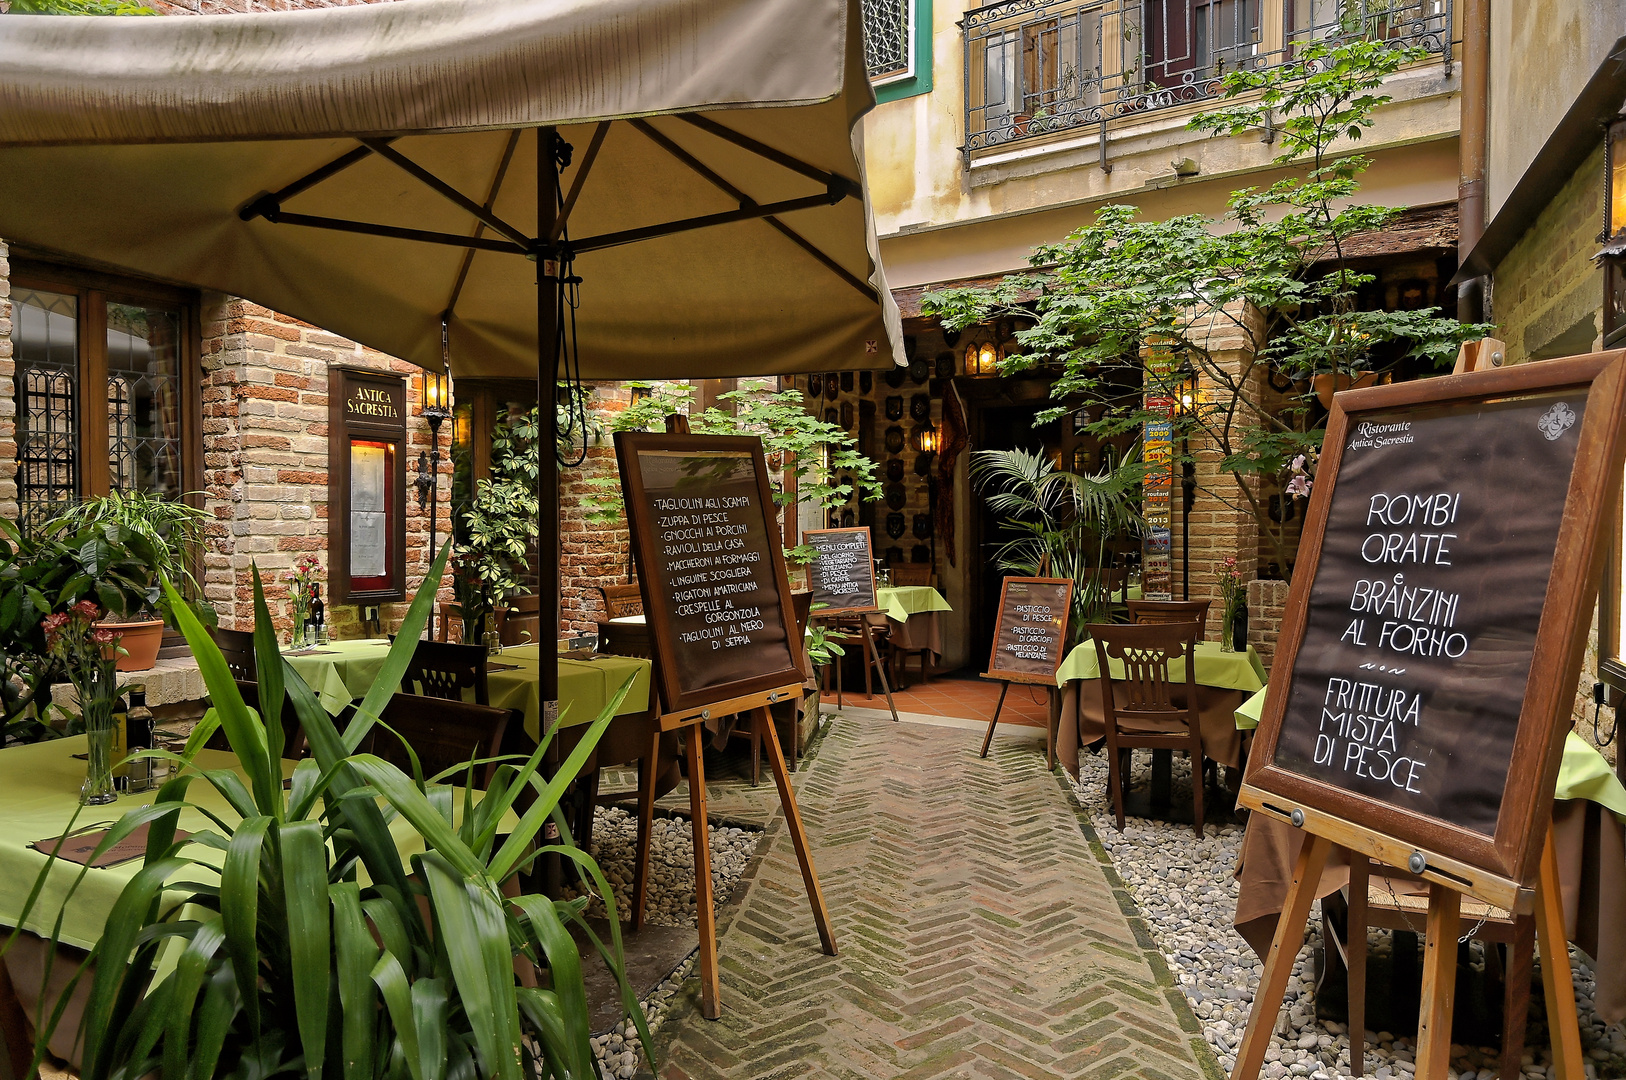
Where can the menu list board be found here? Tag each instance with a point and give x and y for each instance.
(1030, 634)
(1430, 649)
(843, 571)
(706, 539)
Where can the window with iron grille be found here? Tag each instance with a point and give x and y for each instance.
(1037, 67)
(888, 39)
(101, 389)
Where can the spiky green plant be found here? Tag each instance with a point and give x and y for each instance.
(293, 942)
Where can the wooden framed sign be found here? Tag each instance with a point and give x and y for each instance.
(1437, 619)
(367, 412)
(843, 571)
(1030, 631)
(705, 535)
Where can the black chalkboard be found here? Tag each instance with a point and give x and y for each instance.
(705, 535)
(842, 574)
(1432, 637)
(1030, 631)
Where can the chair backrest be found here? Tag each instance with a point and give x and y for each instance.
(625, 639)
(911, 574)
(1113, 580)
(622, 600)
(439, 670)
(449, 610)
(521, 623)
(293, 733)
(237, 646)
(442, 733)
(1169, 611)
(1146, 650)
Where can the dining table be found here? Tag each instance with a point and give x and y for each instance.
(343, 671)
(1589, 836)
(1224, 680)
(909, 614)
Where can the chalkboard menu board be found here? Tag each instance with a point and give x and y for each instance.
(1433, 634)
(843, 572)
(706, 538)
(1030, 633)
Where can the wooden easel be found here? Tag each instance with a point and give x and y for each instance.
(1052, 711)
(1446, 879)
(870, 651)
(757, 705)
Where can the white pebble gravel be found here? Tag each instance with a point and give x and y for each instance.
(1186, 891)
(671, 903)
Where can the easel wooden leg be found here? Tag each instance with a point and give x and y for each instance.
(1267, 1001)
(1439, 984)
(1355, 959)
(1562, 1021)
(648, 770)
(1521, 956)
(989, 738)
(875, 661)
(704, 914)
(798, 835)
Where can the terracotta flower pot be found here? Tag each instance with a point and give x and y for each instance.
(140, 641)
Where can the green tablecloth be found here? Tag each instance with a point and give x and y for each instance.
(1583, 774)
(346, 670)
(41, 783)
(905, 600)
(1223, 670)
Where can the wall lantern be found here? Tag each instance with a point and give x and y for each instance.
(1613, 237)
(926, 440)
(435, 407)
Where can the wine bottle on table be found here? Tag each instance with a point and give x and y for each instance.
(318, 615)
(138, 731)
(121, 747)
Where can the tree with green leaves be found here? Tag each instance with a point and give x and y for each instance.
(499, 526)
(75, 7)
(1265, 294)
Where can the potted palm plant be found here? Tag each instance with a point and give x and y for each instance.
(170, 535)
(287, 938)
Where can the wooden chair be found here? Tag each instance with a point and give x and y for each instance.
(443, 733)
(444, 671)
(522, 621)
(449, 610)
(621, 601)
(912, 574)
(1149, 719)
(1143, 612)
(237, 646)
(1113, 581)
(1382, 900)
(293, 732)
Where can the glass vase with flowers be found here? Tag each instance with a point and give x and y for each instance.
(301, 580)
(1233, 601)
(89, 654)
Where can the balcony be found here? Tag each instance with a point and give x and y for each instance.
(1042, 68)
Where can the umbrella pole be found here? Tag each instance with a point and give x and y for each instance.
(547, 383)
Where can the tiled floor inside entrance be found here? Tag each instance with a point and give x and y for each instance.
(957, 694)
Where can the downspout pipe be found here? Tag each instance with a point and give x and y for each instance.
(1473, 144)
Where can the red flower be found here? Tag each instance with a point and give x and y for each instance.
(105, 637)
(87, 610)
(53, 623)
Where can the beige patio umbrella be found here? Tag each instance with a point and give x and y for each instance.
(374, 170)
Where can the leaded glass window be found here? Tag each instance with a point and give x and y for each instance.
(887, 38)
(143, 399)
(45, 337)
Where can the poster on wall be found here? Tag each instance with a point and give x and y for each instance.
(368, 512)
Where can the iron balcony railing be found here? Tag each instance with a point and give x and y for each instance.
(1039, 67)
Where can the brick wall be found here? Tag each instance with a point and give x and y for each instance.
(241, 7)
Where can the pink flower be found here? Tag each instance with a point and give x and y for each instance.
(87, 610)
(105, 637)
(1299, 485)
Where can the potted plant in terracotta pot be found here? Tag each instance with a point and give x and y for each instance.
(146, 536)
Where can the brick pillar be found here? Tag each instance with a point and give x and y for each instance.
(8, 400)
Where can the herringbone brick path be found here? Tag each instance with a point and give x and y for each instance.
(979, 934)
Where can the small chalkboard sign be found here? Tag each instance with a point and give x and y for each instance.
(1030, 631)
(706, 538)
(843, 571)
(1438, 614)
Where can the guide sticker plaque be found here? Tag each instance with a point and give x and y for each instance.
(1030, 633)
(843, 571)
(706, 538)
(1432, 637)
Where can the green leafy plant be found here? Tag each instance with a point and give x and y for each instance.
(1062, 523)
(172, 529)
(77, 7)
(796, 444)
(301, 945)
(1266, 294)
(500, 525)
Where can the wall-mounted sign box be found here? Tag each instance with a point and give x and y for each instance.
(367, 413)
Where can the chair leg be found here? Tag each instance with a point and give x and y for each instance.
(756, 754)
(925, 667)
(869, 676)
(1355, 956)
(1198, 782)
(1115, 777)
(648, 766)
(1516, 994)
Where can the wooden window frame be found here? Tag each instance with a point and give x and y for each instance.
(94, 290)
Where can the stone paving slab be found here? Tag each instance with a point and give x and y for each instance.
(981, 932)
